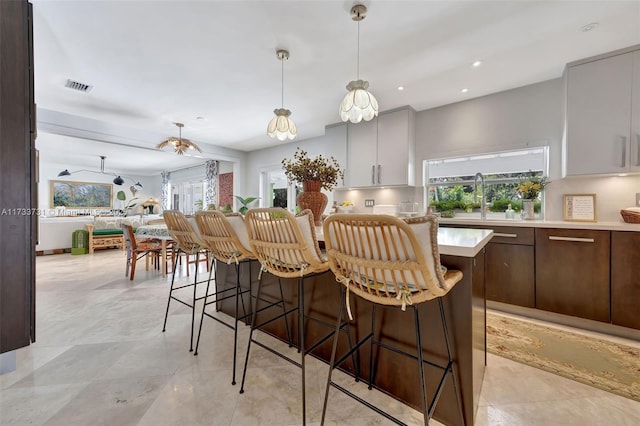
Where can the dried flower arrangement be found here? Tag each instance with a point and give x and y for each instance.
(327, 171)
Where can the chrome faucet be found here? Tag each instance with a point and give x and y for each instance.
(483, 211)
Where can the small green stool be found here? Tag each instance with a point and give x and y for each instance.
(80, 242)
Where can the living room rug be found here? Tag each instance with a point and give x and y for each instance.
(600, 363)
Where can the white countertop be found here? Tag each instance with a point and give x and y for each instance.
(606, 226)
(463, 242)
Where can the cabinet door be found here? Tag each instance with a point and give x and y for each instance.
(572, 272)
(361, 153)
(510, 274)
(599, 116)
(625, 278)
(634, 148)
(393, 148)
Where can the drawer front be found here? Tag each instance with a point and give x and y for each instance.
(512, 235)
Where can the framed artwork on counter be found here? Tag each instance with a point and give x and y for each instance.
(580, 207)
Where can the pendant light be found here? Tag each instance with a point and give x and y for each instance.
(359, 103)
(180, 146)
(117, 180)
(282, 126)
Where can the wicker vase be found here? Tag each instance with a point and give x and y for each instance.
(311, 198)
(528, 209)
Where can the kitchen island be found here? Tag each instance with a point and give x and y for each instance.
(461, 249)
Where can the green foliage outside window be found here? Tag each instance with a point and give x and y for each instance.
(499, 195)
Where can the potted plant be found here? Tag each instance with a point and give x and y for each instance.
(246, 202)
(314, 174)
(529, 189)
(126, 205)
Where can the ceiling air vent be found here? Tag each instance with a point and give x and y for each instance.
(76, 85)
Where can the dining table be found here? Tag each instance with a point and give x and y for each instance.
(158, 232)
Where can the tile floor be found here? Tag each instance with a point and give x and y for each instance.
(102, 359)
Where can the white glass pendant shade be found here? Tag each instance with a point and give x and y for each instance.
(359, 104)
(282, 126)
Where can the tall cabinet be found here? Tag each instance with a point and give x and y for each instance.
(18, 190)
(381, 152)
(603, 114)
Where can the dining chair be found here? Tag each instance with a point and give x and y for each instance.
(186, 241)
(286, 247)
(395, 263)
(227, 240)
(136, 250)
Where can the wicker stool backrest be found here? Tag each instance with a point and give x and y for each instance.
(286, 245)
(225, 235)
(386, 260)
(182, 232)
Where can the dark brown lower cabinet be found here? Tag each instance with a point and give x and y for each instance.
(510, 274)
(573, 272)
(510, 266)
(625, 278)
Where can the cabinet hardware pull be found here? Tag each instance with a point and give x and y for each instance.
(623, 158)
(637, 149)
(499, 234)
(378, 174)
(373, 175)
(578, 240)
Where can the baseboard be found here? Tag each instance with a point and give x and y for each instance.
(567, 320)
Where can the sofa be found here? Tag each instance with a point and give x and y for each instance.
(105, 232)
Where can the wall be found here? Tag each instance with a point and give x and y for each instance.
(523, 117)
(527, 116)
(332, 143)
(49, 171)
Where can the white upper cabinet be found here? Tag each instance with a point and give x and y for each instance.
(361, 153)
(381, 151)
(603, 116)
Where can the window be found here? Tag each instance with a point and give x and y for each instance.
(188, 196)
(451, 184)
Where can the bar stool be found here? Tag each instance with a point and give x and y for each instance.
(187, 241)
(286, 247)
(390, 262)
(227, 240)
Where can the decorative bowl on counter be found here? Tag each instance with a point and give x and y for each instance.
(345, 209)
(631, 214)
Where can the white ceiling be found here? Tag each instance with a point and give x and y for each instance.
(152, 63)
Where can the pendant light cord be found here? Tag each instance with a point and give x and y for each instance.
(282, 85)
(358, 60)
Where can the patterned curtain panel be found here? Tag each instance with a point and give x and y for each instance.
(212, 170)
(165, 190)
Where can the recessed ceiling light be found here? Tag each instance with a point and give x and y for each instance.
(476, 64)
(590, 26)
(401, 88)
(465, 90)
